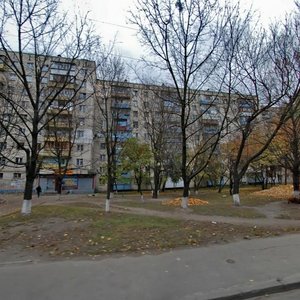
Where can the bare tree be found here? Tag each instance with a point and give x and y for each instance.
(185, 38)
(285, 148)
(161, 127)
(266, 69)
(32, 56)
(111, 74)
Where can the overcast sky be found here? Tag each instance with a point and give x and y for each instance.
(110, 18)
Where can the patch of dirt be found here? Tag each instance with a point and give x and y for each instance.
(55, 238)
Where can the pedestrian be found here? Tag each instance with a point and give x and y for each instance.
(38, 190)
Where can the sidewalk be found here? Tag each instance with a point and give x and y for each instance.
(233, 271)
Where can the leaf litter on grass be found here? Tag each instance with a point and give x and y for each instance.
(191, 202)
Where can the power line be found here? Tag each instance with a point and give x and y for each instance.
(113, 24)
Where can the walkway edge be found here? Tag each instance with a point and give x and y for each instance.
(260, 289)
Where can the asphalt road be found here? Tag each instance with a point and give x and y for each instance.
(199, 273)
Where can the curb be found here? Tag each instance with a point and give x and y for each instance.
(261, 289)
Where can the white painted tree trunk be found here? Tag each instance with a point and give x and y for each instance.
(107, 205)
(26, 207)
(296, 194)
(236, 199)
(184, 202)
(196, 192)
(142, 198)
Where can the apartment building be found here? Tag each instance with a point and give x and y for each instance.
(78, 111)
(61, 92)
(151, 113)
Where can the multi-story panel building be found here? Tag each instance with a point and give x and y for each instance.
(82, 116)
(152, 114)
(61, 92)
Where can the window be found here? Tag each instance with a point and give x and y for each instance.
(24, 104)
(80, 134)
(20, 146)
(82, 96)
(44, 79)
(82, 108)
(135, 114)
(102, 157)
(244, 120)
(1, 175)
(19, 160)
(79, 147)
(102, 170)
(22, 130)
(81, 121)
(16, 175)
(6, 117)
(204, 100)
(13, 76)
(146, 94)
(135, 124)
(45, 68)
(246, 104)
(169, 103)
(2, 161)
(3, 145)
(30, 66)
(79, 162)
(102, 146)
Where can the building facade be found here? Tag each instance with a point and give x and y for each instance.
(56, 93)
(80, 115)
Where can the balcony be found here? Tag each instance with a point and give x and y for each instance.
(121, 106)
(58, 139)
(120, 92)
(62, 84)
(210, 121)
(51, 153)
(60, 111)
(123, 128)
(60, 124)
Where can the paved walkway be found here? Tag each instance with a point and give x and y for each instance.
(186, 215)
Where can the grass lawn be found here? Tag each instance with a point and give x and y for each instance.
(65, 231)
(219, 203)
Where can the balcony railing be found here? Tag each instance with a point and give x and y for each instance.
(121, 106)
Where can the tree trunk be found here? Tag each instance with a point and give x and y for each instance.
(296, 193)
(185, 197)
(59, 185)
(108, 189)
(236, 190)
(156, 183)
(26, 206)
